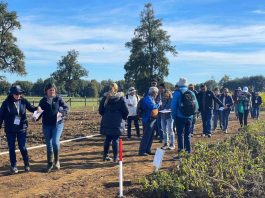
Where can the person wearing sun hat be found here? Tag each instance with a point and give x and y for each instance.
(244, 106)
(131, 99)
(13, 114)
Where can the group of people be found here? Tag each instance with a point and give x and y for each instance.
(163, 114)
(13, 113)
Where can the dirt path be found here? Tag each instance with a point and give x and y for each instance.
(83, 173)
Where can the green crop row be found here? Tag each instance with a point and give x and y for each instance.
(232, 168)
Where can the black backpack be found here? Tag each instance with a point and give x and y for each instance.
(187, 103)
(140, 108)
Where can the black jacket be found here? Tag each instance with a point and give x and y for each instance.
(8, 112)
(113, 115)
(209, 100)
(256, 101)
(49, 115)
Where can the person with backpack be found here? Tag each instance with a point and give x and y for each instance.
(131, 99)
(235, 99)
(13, 114)
(217, 114)
(167, 122)
(54, 111)
(183, 107)
(205, 100)
(244, 106)
(149, 121)
(228, 103)
(256, 103)
(192, 88)
(114, 111)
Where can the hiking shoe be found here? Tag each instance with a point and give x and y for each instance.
(49, 167)
(209, 135)
(171, 147)
(27, 168)
(165, 146)
(13, 170)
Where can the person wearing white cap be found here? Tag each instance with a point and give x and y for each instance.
(131, 99)
(244, 105)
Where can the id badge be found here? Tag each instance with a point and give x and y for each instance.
(17, 120)
(256, 101)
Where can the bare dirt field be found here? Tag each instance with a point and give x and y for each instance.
(83, 173)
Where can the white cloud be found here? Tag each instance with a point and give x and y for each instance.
(258, 11)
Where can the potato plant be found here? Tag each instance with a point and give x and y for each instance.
(232, 168)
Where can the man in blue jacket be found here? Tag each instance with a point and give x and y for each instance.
(183, 122)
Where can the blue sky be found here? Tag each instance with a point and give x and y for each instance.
(213, 37)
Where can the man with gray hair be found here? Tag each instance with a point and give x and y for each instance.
(149, 121)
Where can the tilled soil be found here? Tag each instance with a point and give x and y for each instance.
(83, 173)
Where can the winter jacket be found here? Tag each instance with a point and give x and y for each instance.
(176, 101)
(244, 99)
(206, 101)
(9, 112)
(148, 105)
(227, 101)
(256, 101)
(113, 115)
(133, 100)
(50, 110)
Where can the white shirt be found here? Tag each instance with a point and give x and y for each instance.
(133, 107)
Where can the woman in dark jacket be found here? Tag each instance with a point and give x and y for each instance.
(13, 113)
(114, 111)
(54, 110)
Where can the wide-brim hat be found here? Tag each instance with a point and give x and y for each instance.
(16, 89)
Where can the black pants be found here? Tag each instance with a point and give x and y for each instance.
(244, 116)
(114, 139)
(129, 125)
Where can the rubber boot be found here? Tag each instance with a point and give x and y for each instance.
(56, 160)
(50, 163)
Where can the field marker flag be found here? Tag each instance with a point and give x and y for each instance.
(120, 169)
(157, 162)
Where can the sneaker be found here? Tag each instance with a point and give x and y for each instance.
(128, 139)
(13, 170)
(27, 168)
(191, 135)
(171, 147)
(49, 167)
(57, 165)
(143, 154)
(150, 153)
(226, 131)
(203, 135)
(107, 158)
(209, 135)
(165, 146)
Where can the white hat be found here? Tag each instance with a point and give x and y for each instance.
(131, 90)
(182, 82)
(245, 89)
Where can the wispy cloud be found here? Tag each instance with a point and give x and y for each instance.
(258, 11)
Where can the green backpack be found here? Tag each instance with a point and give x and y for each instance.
(240, 107)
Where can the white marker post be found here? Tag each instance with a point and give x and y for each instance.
(120, 168)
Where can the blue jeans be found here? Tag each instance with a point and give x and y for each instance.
(167, 128)
(129, 125)
(225, 118)
(194, 120)
(147, 139)
(183, 133)
(207, 121)
(159, 131)
(217, 115)
(52, 136)
(11, 140)
(114, 139)
(255, 112)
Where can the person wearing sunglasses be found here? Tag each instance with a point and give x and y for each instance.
(13, 114)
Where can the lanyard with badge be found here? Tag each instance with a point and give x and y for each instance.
(17, 117)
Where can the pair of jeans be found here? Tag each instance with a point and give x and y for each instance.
(225, 118)
(255, 112)
(207, 121)
(114, 139)
(147, 139)
(184, 133)
(243, 117)
(217, 115)
(167, 128)
(21, 139)
(129, 125)
(52, 136)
